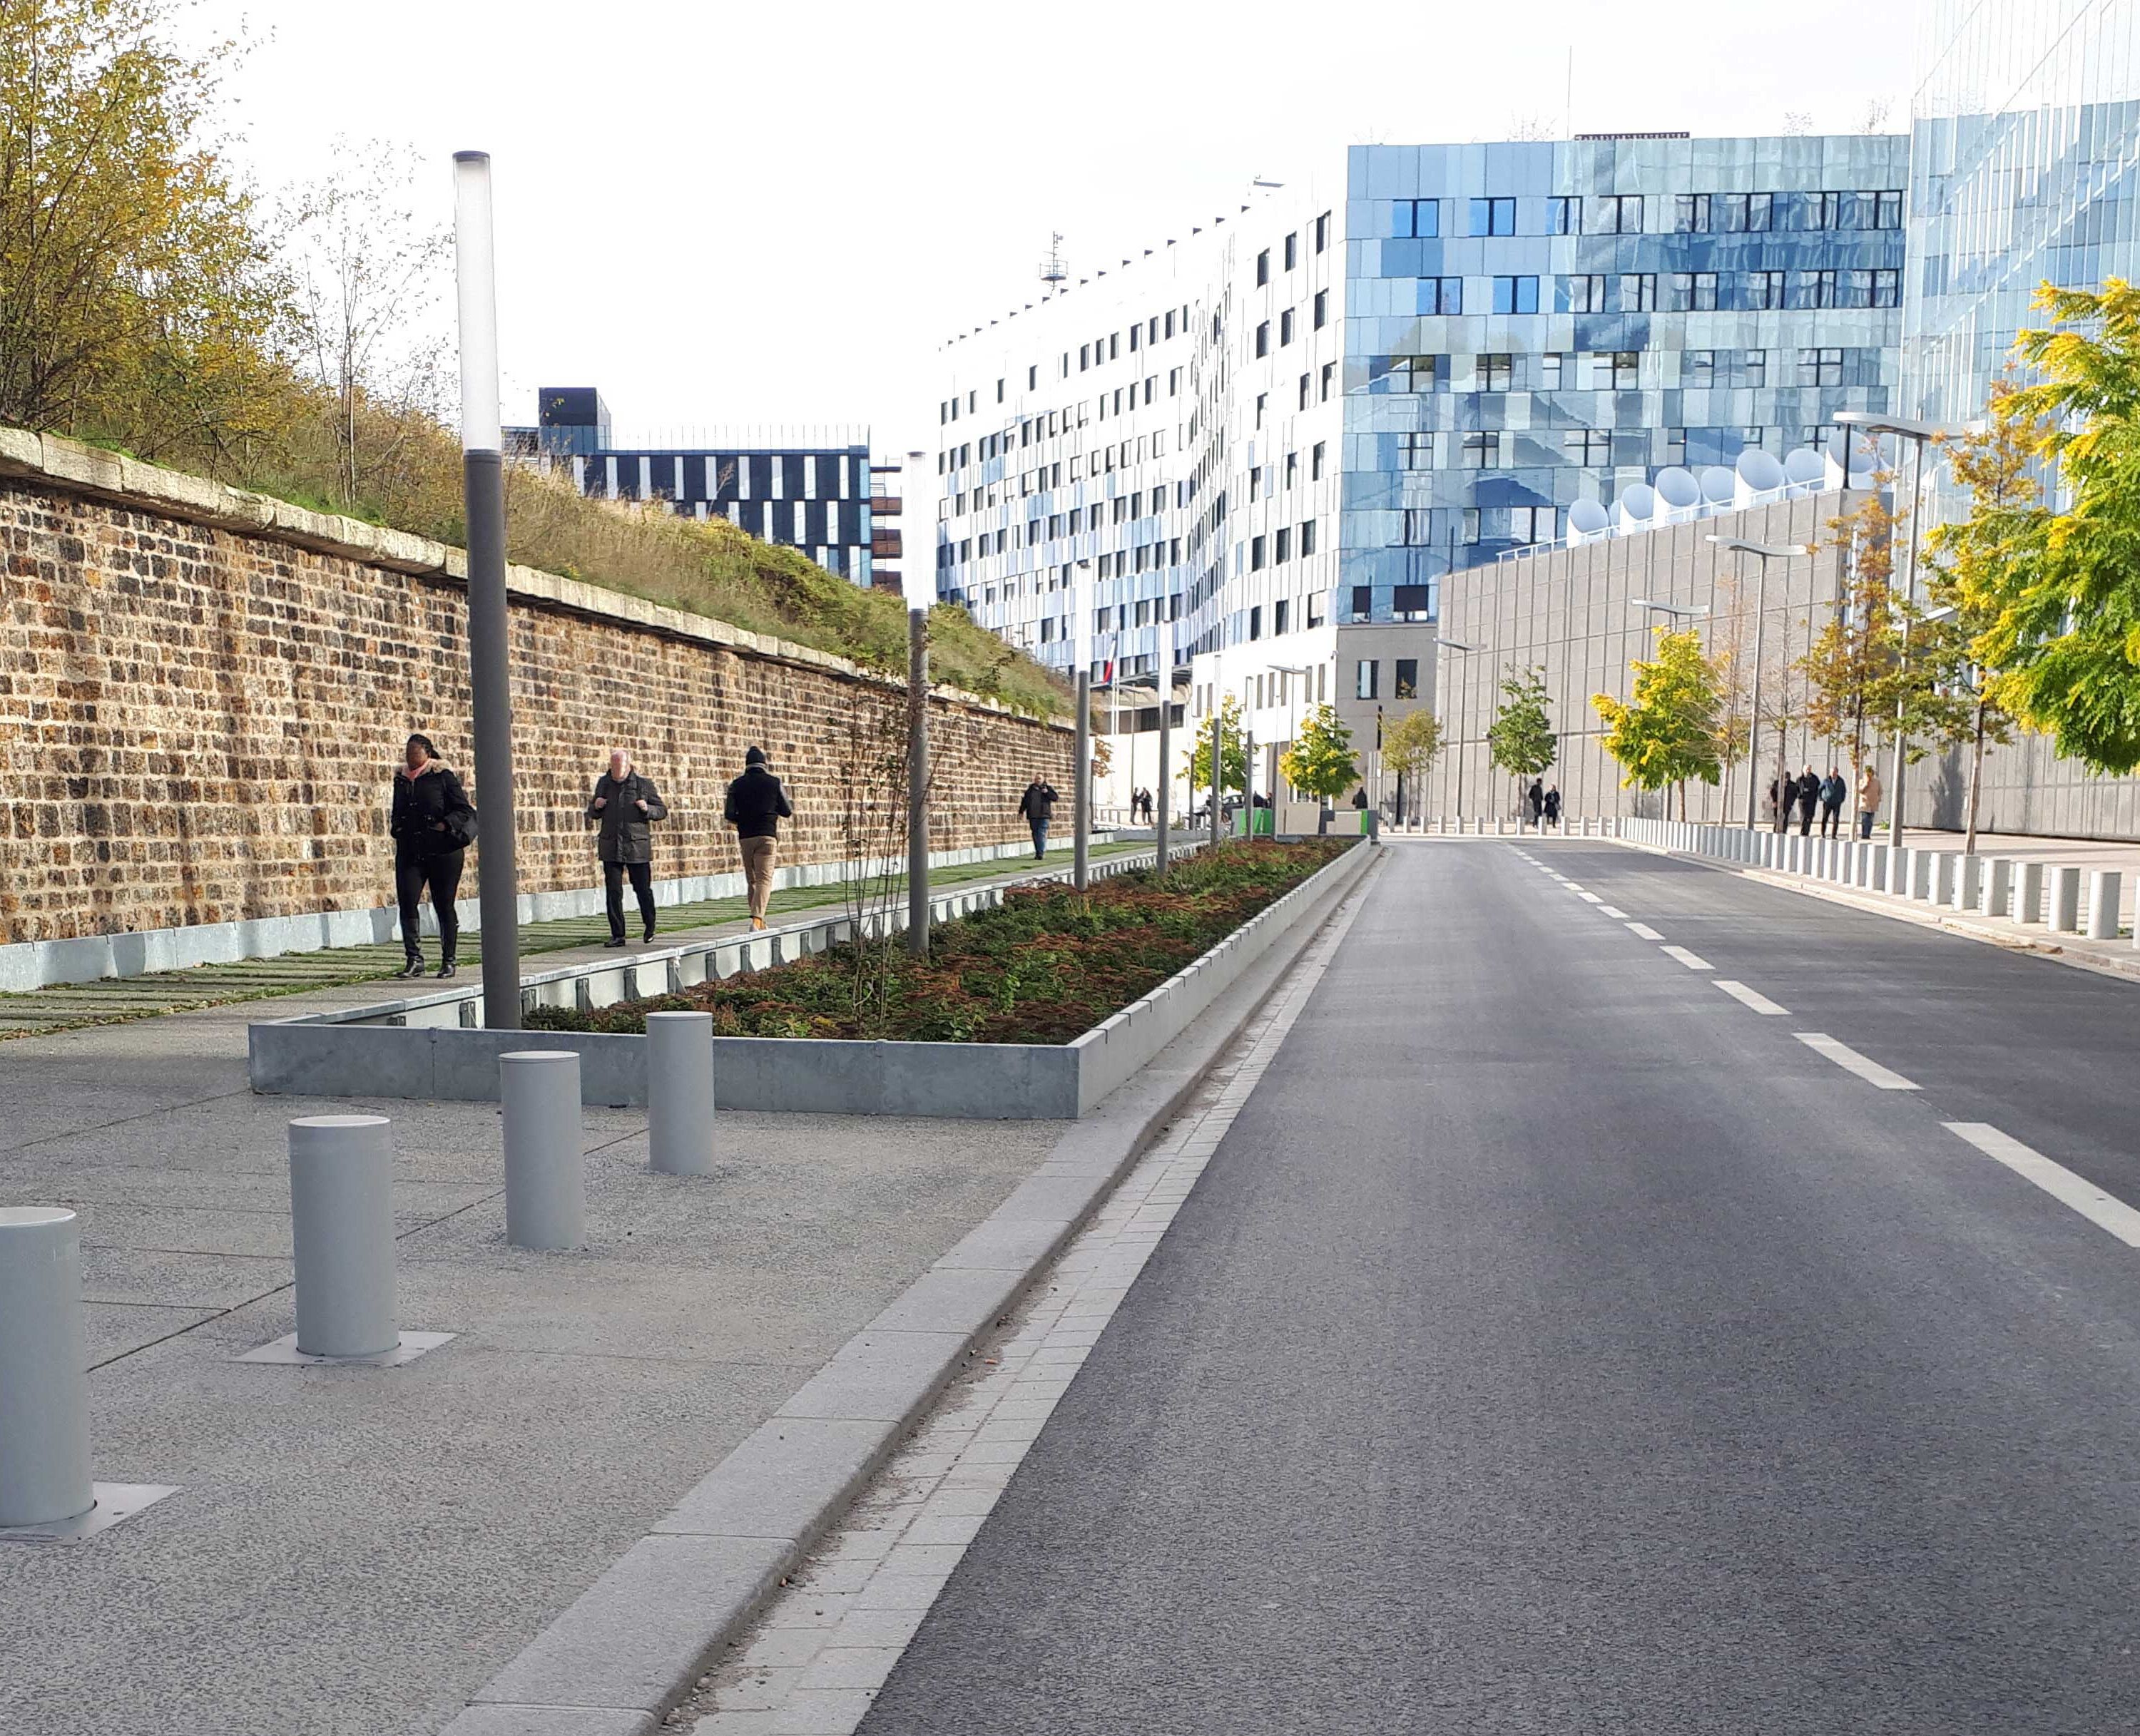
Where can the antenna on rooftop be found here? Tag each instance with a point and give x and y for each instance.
(1052, 270)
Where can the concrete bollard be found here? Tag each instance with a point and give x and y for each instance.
(341, 1224)
(546, 1188)
(1995, 889)
(1968, 881)
(1898, 870)
(44, 1391)
(1945, 864)
(680, 1092)
(2065, 898)
(2028, 905)
(2104, 887)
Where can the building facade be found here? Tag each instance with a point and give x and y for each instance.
(808, 490)
(1245, 451)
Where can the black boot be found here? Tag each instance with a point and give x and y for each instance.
(445, 968)
(413, 967)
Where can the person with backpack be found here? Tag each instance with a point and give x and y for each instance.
(432, 823)
(756, 806)
(624, 805)
(1037, 807)
(1833, 793)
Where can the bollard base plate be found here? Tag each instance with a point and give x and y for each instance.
(284, 1349)
(115, 1502)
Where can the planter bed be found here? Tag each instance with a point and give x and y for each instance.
(1133, 963)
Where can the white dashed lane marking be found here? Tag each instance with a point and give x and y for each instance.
(1590, 898)
(2106, 1211)
(1844, 1055)
(1644, 931)
(1612, 911)
(1692, 961)
(1746, 997)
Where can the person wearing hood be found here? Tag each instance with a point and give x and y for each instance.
(432, 822)
(624, 804)
(756, 806)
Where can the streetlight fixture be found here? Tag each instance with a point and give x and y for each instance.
(1918, 434)
(1764, 552)
(1461, 649)
(1690, 611)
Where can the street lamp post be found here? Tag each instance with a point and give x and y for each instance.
(1918, 434)
(917, 782)
(1461, 649)
(1163, 661)
(1677, 612)
(1764, 552)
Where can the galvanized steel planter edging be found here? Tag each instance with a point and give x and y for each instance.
(339, 1057)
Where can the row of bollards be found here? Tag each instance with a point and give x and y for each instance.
(342, 1247)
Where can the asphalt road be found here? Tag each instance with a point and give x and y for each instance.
(1556, 1344)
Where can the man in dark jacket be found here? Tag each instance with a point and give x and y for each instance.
(1036, 806)
(756, 806)
(1807, 787)
(623, 805)
(1834, 791)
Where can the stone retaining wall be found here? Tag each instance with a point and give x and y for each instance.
(204, 694)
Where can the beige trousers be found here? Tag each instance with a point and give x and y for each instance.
(759, 857)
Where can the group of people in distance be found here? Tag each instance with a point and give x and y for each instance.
(1544, 801)
(1809, 792)
(433, 822)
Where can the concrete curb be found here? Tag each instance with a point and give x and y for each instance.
(637, 1641)
(1923, 916)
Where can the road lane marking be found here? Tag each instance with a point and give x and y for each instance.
(1692, 961)
(1645, 931)
(2106, 1211)
(1844, 1055)
(1746, 997)
(1589, 898)
(1617, 914)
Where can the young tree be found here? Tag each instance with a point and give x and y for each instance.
(1320, 763)
(1410, 746)
(1978, 563)
(1520, 739)
(1667, 731)
(1851, 668)
(2065, 603)
(1234, 763)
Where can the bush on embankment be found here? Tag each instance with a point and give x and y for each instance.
(1045, 966)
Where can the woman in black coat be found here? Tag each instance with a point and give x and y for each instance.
(432, 822)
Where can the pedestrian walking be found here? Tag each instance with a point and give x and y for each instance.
(432, 822)
(1834, 791)
(1037, 805)
(756, 806)
(1536, 796)
(624, 806)
(1147, 808)
(1808, 789)
(1552, 805)
(1869, 798)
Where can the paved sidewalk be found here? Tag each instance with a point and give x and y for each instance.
(568, 940)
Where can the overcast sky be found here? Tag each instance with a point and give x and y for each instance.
(726, 213)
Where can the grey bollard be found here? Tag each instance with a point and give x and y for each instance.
(44, 1391)
(680, 1092)
(1968, 881)
(342, 1225)
(1923, 865)
(2104, 889)
(1996, 889)
(2028, 892)
(546, 1189)
(2065, 898)
(1898, 870)
(1944, 864)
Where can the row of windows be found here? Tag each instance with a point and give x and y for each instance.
(1622, 213)
(1319, 233)
(1368, 671)
(1408, 602)
(1319, 317)
(1274, 687)
(1277, 548)
(1611, 370)
(1683, 292)
(1144, 333)
(1590, 449)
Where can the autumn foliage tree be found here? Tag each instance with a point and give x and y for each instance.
(1668, 729)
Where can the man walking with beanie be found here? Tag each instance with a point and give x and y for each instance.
(756, 806)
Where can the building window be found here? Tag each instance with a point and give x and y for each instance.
(1256, 551)
(1323, 232)
(1441, 295)
(1675, 445)
(1306, 381)
(1885, 209)
(1408, 678)
(1697, 368)
(1417, 219)
(1415, 373)
(1691, 213)
(1875, 289)
(1533, 524)
(1820, 367)
(1515, 295)
(1496, 373)
(1415, 450)
(1263, 403)
(1693, 291)
(1470, 526)
(1084, 357)
(1363, 602)
(1263, 338)
(1584, 295)
(1620, 213)
(1315, 461)
(1638, 292)
(1627, 366)
(1282, 546)
(1753, 212)
(1322, 315)
(1764, 289)
(1307, 540)
(1419, 526)
(1329, 380)
(1482, 450)
(1493, 217)
(1754, 368)
(1173, 381)
(1819, 289)
(1411, 603)
(1552, 370)
(1591, 448)
(1263, 268)
(1563, 216)
(1367, 673)
(1256, 631)
(1823, 211)
(1285, 328)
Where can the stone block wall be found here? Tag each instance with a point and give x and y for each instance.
(203, 695)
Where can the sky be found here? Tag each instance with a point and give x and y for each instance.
(728, 214)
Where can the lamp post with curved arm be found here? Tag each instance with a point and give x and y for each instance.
(1764, 552)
